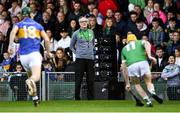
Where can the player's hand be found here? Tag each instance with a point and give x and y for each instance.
(153, 60)
(10, 51)
(128, 87)
(50, 55)
(165, 78)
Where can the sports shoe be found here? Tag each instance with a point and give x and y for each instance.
(149, 104)
(159, 100)
(139, 104)
(31, 86)
(36, 102)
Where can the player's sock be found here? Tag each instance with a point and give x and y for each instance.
(149, 104)
(35, 97)
(36, 101)
(151, 89)
(146, 98)
(148, 101)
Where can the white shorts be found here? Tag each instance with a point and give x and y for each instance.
(29, 60)
(139, 69)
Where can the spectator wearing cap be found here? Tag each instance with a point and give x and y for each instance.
(64, 42)
(82, 45)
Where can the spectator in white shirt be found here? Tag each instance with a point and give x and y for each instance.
(15, 9)
(64, 42)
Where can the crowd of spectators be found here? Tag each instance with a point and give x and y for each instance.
(157, 21)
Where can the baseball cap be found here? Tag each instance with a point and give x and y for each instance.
(63, 30)
(26, 11)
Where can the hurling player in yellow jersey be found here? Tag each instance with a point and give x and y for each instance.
(29, 34)
(135, 65)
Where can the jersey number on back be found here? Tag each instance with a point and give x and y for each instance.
(131, 46)
(29, 32)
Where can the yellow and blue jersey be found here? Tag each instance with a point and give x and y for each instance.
(29, 36)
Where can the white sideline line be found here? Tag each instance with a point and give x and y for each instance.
(90, 112)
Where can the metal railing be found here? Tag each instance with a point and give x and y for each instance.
(57, 85)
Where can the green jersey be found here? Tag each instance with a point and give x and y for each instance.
(133, 52)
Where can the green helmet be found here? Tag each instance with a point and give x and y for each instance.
(26, 11)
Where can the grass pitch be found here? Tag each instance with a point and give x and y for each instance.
(88, 106)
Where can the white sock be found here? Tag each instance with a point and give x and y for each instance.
(152, 90)
(147, 99)
(35, 97)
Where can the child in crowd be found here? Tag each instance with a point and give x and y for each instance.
(6, 63)
(17, 83)
(60, 60)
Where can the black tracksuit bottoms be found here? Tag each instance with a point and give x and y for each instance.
(84, 66)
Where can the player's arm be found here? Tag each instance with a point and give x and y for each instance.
(147, 47)
(46, 41)
(125, 71)
(125, 75)
(12, 38)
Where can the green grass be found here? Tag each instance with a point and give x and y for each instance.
(88, 106)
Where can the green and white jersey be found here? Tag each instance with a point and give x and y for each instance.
(133, 52)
